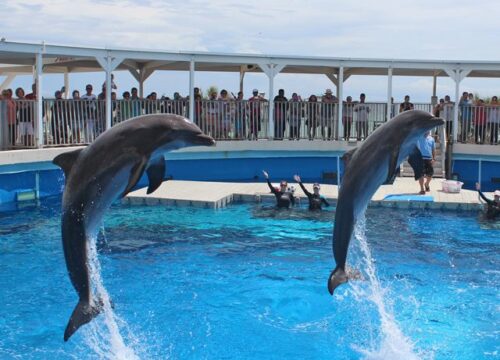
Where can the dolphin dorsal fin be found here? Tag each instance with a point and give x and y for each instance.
(156, 173)
(66, 160)
(348, 156)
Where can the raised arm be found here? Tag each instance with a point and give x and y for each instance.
(298, 180)
(271, 187)
(478, 188)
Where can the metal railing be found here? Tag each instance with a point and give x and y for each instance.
(73, 122)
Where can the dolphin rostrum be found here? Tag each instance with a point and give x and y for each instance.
(107, 170)
(374, 163)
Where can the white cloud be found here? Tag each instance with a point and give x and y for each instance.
(450, 29)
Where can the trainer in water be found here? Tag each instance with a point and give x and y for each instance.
(284, 197)
(374, 163)
(106, 170)
(492, 206)
(315, 199)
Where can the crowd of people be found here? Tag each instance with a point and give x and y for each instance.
(225, 115)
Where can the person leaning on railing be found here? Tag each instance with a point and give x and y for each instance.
(479, 122)
(10, 109)
(494, 120)
(280, 111)
(312, 122)
(347, 117)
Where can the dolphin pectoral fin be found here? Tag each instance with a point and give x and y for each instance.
(83, 314)
(156, 172)
(66, 160)
(136, 174)
(416, 163)
(337, 277)
(393, 166)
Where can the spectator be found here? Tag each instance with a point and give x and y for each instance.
(125, 107)
(135, 103)
(447, 115)
(90, 111)
(362, 110)
(280, 110)
(296, 112)
(240, 126)
(347, 117)
(197, 106)
(58, 124)
(178, 104)
(212, 115)
(10, 107)
(113, 85)
(75, 109)
(328, 114)
(406, 105)
(465, 105)
(436, 111)
(24, 118)
(32, 94)
(255, 114)
(494, 120)
(225, 113)
(312, 121)
(480, 122)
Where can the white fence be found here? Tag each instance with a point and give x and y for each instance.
(72, 122)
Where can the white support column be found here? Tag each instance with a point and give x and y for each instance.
(389, 94)
(271, 70)
(191, 90)
(457, 75)
(455, 108)
(66, 84)
(7, 81)
(39, 99)
(108, 63)
(242, 76)
(340, 96)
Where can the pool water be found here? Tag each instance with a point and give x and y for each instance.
(249, 282)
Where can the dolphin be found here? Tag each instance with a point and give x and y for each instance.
(103, 172)
(367, 167)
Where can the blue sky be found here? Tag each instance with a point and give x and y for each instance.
(462, 30)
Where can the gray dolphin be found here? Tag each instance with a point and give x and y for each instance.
(101, 173)
(374, 163)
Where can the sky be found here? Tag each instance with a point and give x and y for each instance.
(444, 30)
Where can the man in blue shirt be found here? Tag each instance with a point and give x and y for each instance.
(427, 147)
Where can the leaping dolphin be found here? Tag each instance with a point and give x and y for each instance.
(374, 163)
(103, 172)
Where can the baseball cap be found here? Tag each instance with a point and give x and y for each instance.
(497, 193)
(283, 182)
(255, 90)
(316, 185)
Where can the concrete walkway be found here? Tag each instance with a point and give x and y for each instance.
(220, 194)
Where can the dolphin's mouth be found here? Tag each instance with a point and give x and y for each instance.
(202, 139)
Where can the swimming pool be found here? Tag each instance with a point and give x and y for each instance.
(248, 282)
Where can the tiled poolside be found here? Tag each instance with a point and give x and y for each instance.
(220, 194)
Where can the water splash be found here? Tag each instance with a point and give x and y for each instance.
(393, 344)
(102, 334)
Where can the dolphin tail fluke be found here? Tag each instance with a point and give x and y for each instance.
(83, 314)
(337, 277)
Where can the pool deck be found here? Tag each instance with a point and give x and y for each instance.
(220, 194)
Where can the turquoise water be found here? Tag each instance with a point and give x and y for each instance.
(248, 282)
